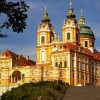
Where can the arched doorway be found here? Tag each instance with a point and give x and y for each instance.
(16, 76)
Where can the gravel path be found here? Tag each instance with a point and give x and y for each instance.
(82, 93)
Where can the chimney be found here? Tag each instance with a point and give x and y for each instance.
(28, 58)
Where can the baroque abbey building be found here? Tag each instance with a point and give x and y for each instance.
(72, 59)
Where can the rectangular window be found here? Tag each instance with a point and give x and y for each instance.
(60, 65)
(65, 64)
(72, 63)
(73, 74)
(23, 77)
(86, 43)
(56, 64)
(82, 76)
(82, 66)
(78, 63)
(10, 79)
(78, 76)
(42, 56)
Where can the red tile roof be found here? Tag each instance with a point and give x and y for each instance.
(96, 55)
(19, 59)
(71, 46)
(86, 51)
(11, 54)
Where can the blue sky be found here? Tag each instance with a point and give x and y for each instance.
(25, 43)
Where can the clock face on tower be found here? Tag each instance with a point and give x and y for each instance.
(69, 22)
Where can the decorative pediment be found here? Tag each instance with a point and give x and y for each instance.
(3, 54)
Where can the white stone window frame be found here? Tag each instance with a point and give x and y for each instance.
(42, 59)
(70, 36)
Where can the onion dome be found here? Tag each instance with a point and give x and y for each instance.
(70, 13)
(81, 20)
(86, 31)
(46, 25)
(45, 17)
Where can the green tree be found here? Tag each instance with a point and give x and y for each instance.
(16, 15)
(45, 90)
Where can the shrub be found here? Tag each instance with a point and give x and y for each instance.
(31, 91)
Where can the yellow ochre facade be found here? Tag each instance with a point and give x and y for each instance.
(74, 56)
(72, 59)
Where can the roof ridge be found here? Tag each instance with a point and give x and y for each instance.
(10, 53)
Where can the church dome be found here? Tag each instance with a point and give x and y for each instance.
(86, 31)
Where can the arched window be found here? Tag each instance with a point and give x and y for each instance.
(42, 39)
(16, 76)
(60, 65)
(56, 64)
(68, 36)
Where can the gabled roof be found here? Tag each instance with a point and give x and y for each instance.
(11, 54)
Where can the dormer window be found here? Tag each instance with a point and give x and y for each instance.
(68, 36)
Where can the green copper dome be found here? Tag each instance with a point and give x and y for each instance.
(86, 31)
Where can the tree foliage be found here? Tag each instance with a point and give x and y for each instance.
(16, 15)
(44, 90)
